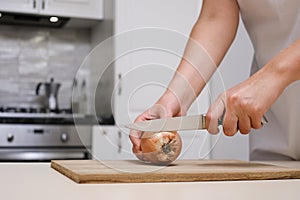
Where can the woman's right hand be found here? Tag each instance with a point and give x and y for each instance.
(166, 106)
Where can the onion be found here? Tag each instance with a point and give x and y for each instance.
(161, 148)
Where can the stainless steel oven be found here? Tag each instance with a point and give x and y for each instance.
(44, 136)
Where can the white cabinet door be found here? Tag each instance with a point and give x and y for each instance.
(20, 6)
(195, 145)
(111, 143)
(91, 9)
(150, 38)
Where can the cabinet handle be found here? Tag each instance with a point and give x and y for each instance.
(34, 4)
(43, 4)
(120, 84)
(119, 142)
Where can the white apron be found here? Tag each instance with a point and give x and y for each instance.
(272, 26)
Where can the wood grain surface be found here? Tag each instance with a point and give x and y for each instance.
(131, 171)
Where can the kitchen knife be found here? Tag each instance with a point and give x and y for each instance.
(195, 122)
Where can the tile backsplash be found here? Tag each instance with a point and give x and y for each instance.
(32, 55)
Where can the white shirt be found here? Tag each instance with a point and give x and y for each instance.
(273, 25)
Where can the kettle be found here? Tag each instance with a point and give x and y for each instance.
(51, 93)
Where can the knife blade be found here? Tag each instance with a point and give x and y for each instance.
(194, 122)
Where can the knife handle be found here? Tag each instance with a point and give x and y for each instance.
(264, 120)
(220, 120)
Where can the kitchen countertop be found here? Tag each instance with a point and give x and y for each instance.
(35, 181)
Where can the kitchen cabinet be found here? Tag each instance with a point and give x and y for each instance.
(22, 6)
(113, 143)
(89, 9)
(195, 144)
(142, 69)
(150, 39)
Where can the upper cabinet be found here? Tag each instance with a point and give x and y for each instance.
(91, 9)
(22, 6)
(150, 38)
(88, 9)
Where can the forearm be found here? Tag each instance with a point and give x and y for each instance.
(285, 67)
(209, 41)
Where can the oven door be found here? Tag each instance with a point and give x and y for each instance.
(42, 154)
(44, 142)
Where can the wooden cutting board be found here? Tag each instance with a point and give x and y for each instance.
(92, 171)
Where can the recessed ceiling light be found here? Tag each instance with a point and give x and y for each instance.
(0, 14)
(53, 19)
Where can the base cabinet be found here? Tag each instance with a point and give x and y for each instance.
(111, 143)
(195, 145)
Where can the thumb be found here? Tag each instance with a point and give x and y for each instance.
(214, 113)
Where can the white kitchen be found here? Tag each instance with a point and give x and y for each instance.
(74, 74)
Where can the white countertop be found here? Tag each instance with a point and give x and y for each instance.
(37, 181)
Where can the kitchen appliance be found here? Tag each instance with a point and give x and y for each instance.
(18, 19)
(32, 134)
(47, 21)
(195, 122)
(51, 93)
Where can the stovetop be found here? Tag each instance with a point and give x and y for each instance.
(31, 110)
(15, 115)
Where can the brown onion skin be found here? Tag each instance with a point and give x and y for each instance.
(161, 148)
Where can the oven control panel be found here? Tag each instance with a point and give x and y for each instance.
(45, 135)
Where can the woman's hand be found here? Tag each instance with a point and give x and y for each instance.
(166, 106)
(246, 103)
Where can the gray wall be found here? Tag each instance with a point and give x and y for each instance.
(32, 55)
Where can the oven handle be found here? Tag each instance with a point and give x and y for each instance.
(42, 155)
